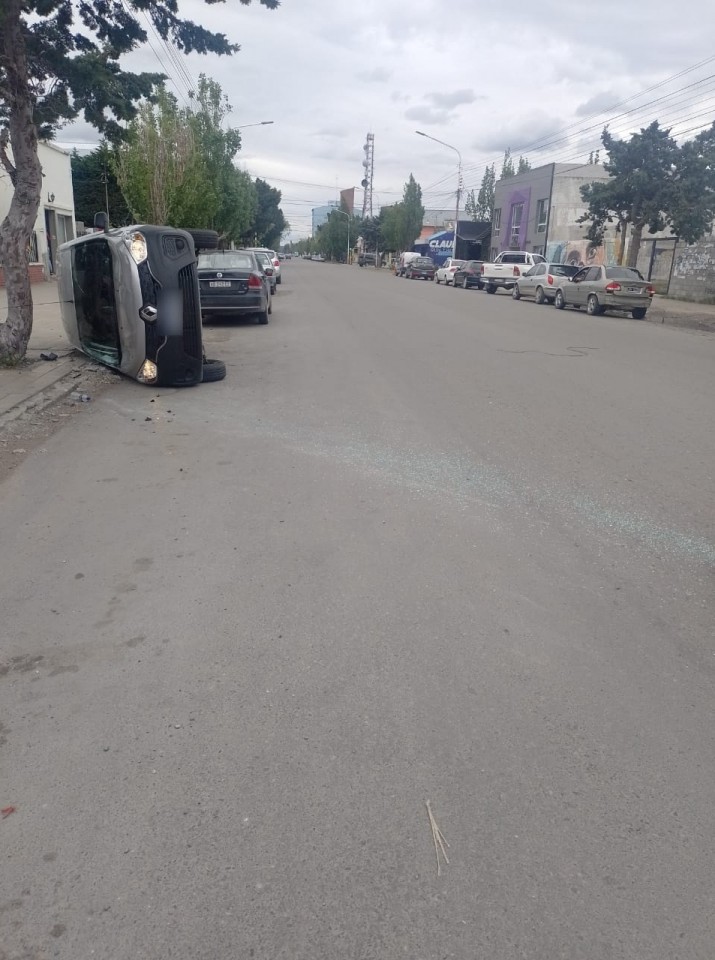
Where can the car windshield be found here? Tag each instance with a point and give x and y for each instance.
(562, 270)
(225, 261)
(622, 273)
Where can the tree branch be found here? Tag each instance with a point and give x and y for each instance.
(5, 160)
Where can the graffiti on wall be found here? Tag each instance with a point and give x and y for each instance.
(581, 253)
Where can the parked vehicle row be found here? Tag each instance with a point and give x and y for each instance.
(134, 298)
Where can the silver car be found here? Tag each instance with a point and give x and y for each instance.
(542, 281)
(606, 288)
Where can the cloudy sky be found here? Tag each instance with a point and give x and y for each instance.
(539, 77)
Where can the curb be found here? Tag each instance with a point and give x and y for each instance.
(42, 387)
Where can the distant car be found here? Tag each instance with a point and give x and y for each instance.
(232, 283)
(274, 258)
(367, 259)
(542, 281)
(266, 264)
(288, 256)
(469, 275)
(404, 260)
(606, 288)
(420, 269)
(445, 273)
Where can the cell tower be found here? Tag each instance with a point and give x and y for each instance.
(369, 168)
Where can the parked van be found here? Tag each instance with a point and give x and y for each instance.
(404, 260)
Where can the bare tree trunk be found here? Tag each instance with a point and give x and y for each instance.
(635, 244)
(622, 227)
(25, 173)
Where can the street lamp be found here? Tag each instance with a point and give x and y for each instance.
(344, 214)
(459, 184)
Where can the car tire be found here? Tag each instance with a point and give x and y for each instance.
(214, 370)
(638, 313)
(515, 292)
(204, 239)
(539, 296)
(593, 308)
(279, 280)
(465, 283)
(559, 301)
(262, 317)
(270, 306)
(437, 280)
(490, 288)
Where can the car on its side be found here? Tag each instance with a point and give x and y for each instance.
(469, 275)
(274, 259)
(232, 283)
(420, 269)
(606, 288)
(542, 281)
(445, 273)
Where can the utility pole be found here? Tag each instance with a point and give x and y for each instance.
(105, 181)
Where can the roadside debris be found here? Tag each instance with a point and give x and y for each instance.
(48, 356)
(437, 839)
(80, 397)
(6, 811)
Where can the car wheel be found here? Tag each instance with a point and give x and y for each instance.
(279, 280)
(262, 316)
(270, 306)
(515, 292)
(592, 306)
(559, 301)
(437, 280)
(539, 296)
(638, 313)
(213, 370)
(490, 288)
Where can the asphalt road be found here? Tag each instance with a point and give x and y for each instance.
(422, 544)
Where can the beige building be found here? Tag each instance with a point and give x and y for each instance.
(55, 218)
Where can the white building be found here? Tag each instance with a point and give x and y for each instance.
(55, 218)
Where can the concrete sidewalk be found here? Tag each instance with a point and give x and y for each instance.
(25, 386)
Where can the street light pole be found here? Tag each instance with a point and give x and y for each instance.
(344, 214)
(459, 185)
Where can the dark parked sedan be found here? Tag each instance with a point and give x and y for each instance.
(232, 283)
(469, 275)
(420, 269)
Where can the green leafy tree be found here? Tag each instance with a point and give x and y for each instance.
(60, 59)
(470, 205)
(485, 197)
(643, 190)
(507, 167)
(335, 234)
(95, 187)
(269, 223)
(691, 207)
(524, 165)
(391, 228)
(412, 213)
(161, 169)
(370, 229)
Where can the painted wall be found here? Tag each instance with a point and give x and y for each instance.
(693, 276)
(56, 204)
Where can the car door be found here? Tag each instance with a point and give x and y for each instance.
(531, 279)
(573, 288)
(591, 283)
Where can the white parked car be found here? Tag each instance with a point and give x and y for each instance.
(445, 274)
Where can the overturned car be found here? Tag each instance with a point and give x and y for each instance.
(130, 300)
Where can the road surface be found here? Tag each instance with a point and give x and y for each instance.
(422, 544)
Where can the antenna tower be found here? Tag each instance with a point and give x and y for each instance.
(369, 169)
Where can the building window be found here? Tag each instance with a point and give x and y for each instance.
(542, 212)
(517, 212)
(496, 223)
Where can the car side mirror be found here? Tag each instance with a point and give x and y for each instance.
(101, 221)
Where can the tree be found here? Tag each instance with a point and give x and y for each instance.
(643, 188)
(391, 228)
(524, 165)
(269, 223)
(370, 229)
(336, 232)
(485, 198)
(507, 167)
(691, 209)
(161, 170)
(412, 213)
(470, 206)
(60, 59)
(95, 187)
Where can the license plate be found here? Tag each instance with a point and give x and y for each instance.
(634, 290)
(219, 283)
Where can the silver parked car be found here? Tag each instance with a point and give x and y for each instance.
(542, 281)
(606, 288)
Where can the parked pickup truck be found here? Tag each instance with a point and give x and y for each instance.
(507, 268)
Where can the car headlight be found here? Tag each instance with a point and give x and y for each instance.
(148, 372)
(137, 247)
